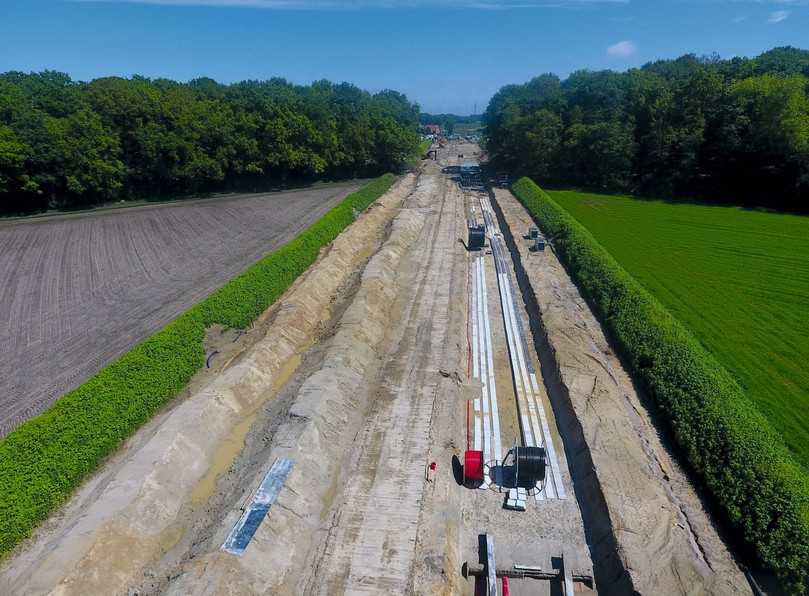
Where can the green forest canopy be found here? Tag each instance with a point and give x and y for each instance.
(723, 130)
(65, 143)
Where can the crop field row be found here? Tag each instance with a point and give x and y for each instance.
(738, 279)
(76, 292)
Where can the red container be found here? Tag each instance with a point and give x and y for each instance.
(473, 466)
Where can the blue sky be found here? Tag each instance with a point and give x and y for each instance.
(449, 55)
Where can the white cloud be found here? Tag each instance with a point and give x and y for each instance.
(622, 49)
(778, 16)
(739, 19)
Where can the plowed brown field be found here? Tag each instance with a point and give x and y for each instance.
(78, 291)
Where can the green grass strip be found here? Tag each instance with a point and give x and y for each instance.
(44, 460)
(761, 490)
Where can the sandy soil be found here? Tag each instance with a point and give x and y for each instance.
(370, 546)
(320, 427)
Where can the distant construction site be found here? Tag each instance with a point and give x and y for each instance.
(431, 408)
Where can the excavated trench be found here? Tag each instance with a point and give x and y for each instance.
(610, 575)
(327, 405)
(245, 472)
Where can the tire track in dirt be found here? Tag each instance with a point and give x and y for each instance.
(371, 543)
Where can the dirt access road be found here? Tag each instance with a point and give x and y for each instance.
(303, 464)
(78, 291)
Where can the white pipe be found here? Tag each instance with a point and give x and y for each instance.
(474, 317)
(518, 364)
(525, 424)
(484, 377)
(534, 422)
(475, 353)
(535, 407)
(498, 448)
(527, 408)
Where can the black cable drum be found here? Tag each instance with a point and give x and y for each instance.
(531, 464)
(477, 237)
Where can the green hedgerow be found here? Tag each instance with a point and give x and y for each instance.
(761, 490)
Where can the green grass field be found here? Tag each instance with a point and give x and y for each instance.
(738, 279)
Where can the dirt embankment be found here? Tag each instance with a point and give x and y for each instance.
(317, 435)
(142, 505)
(635, 499)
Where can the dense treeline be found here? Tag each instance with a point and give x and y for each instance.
(723, 130)
(448, 121)
(65, 143)
(425, 118)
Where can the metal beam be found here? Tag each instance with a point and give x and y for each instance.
(266, 494)
(491, 570)
(525, 573)
(568, 581)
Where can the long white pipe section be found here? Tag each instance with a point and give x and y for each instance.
(484, 373)
(498, 448)
(534, 422)
(478, 442)
(487, 438)
(536, 409)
